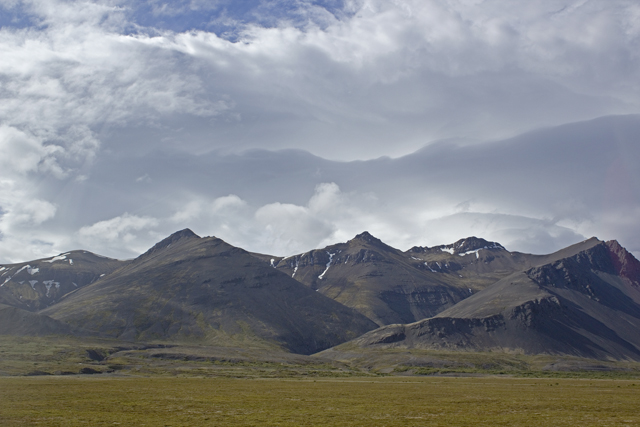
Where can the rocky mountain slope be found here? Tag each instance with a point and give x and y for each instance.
(35, 285)
(390, 286)
(586, 304)
(377, 280)
(192, 289)
(472, 295)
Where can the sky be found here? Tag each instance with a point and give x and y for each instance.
(284, 126)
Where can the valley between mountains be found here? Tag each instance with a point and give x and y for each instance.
(361, 304)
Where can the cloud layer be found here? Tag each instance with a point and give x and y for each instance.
(93, 91)
(536, 193)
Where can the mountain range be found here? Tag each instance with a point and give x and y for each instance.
(471, 295)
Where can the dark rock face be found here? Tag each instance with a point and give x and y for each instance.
(533, 313)
(584, 305)
(624, 264)
(578, 274)
(416, 304)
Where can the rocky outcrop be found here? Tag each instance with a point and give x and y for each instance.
(581, 305)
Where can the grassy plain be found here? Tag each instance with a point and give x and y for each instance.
(185, 385)
(381, 401)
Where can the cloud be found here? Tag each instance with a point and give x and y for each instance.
(152, 107)
(276, 228)
(23, 153)
(552, 187)
(288, 228)
(373, 78)
(524, 234)
(22, 218)
(128, 233)
(77, 73)
(118, 227)
(331, 216)
(32, 212)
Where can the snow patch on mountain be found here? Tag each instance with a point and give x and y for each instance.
(494, 246)
(60, 257)
(328, 265)
(49, 284)
(23, 268)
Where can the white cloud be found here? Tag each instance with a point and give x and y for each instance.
(78, 74)
(230, 204)
(31, 212)
(22, 218)
(288, 228)
(128, 234)
(23, 153)
(118, 227)
(516, 233)
(331, 216)
(278, 228)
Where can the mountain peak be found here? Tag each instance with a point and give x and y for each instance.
(175, 237)
(178, 235)
(462, 246)
(365, 236)
(471, 244)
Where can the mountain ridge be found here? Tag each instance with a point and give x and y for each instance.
(578, 305)
(193, 289)
(471, 295)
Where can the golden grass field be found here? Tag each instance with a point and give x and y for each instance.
(364, 401)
